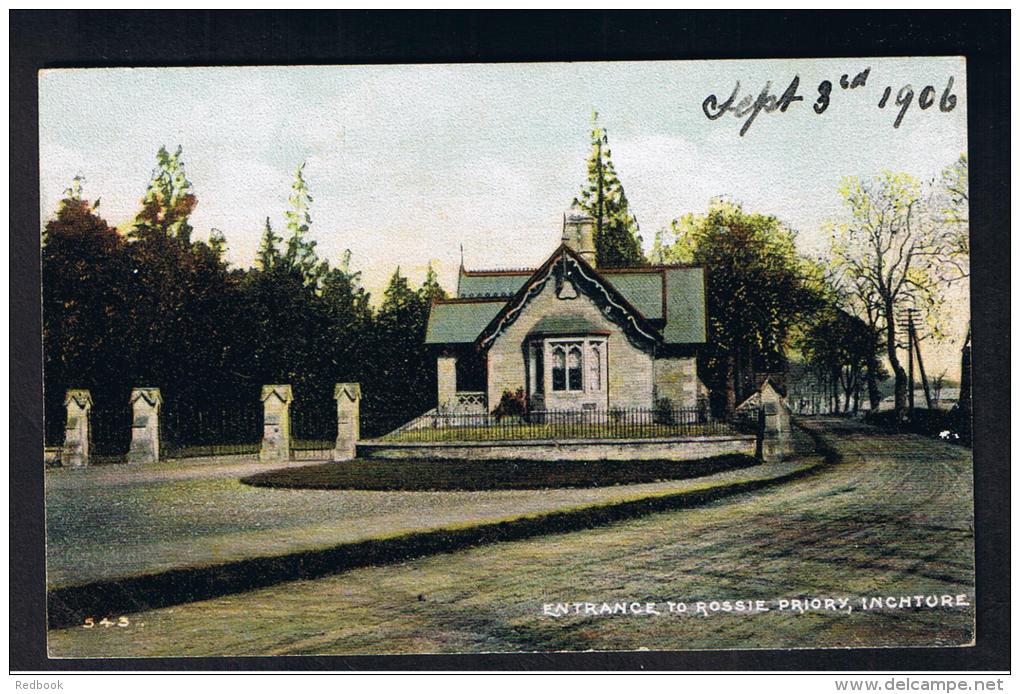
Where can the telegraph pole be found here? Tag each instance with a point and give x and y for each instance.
(920, 364)
(910, 361)
(914, 347)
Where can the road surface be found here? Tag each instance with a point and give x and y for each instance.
(884, 532)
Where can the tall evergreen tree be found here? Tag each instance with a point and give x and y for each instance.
(400, 302)
(217, 243)
(430, 289)
(268, 254)
(168, 200)
(617, 241)
(402, 383)
(181, 295)
(300, 254)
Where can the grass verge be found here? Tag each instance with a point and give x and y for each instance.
(472, 475)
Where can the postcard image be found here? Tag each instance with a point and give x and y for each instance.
(499, 358)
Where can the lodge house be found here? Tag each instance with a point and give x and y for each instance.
(570, 335)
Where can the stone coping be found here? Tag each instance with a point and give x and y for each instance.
(378, 443)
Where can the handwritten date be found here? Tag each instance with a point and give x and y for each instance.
(749, 106)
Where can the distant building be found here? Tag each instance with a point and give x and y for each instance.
(571, 336)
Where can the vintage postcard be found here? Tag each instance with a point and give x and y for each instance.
(494, 358)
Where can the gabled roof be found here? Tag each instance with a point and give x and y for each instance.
(492, 283)
(617, 308)
(686, 312)
(668, 298)
(642, 288)
(460, 321)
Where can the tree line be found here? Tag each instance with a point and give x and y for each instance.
(155, 307)
(897, 246)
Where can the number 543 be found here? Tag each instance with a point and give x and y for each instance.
(91, 623)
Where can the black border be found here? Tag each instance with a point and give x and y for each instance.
(43, 39)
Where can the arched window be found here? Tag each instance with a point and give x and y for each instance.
(539, 368)
(559, 368)
(595, 369)
(574, 374)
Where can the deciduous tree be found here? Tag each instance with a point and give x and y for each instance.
(896, 248)
(843, 347)
(86, 311)
(758, 288)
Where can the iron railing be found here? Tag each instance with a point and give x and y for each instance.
(226, 430)
(614, 423)
(312, 432)
(109, 434)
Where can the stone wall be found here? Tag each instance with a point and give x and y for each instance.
(446, 381)
(676, 378)
(680, 448)
(630, 368)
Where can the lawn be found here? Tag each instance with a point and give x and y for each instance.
(473, 475)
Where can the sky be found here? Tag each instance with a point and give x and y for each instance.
(408, 163)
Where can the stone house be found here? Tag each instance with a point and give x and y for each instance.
(571, 336)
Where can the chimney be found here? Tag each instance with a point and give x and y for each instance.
(579, 233)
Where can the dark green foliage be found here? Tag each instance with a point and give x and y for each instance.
(477, 475)
(86, 288)
(511, 404)
(400, 370)
(758, 290)
(617, 242)
(953, 425)
(217, 243)
(430, 289)
(168, 200)
(664, 411)
(157, 309)
(269, 251)
(842, 348)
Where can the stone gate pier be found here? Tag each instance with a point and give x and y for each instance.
(348, 420)
(276, 400)
(146, 404)
(776, 434)
(76, 451)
